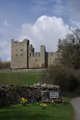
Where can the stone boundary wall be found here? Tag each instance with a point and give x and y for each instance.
(12, 94)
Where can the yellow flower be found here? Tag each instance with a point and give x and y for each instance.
(43, 105)
(23, 100)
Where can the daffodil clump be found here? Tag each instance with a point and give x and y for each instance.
(23, 101)
(43, 106)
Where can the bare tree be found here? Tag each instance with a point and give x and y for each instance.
(69, 50)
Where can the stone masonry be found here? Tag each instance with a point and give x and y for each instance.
(23, 56)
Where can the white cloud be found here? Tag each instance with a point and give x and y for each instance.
(46, 30)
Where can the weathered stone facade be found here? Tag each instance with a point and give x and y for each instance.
(23, 55)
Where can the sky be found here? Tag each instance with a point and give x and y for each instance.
(43, 22)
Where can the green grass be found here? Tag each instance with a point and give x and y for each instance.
(19, 78)
(35, 112)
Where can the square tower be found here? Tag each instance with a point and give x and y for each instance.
(42, 55)
(19, 54)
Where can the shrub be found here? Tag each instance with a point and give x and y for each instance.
(63, 76)
(4, 65)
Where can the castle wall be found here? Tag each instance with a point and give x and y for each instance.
(36, 59)
(51, 58)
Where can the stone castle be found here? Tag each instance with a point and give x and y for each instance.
(23, 55)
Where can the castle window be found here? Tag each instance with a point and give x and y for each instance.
(18, 61)
(16, 54)
(21, 49)
(36, 54)
(30, 54)
(35, 60)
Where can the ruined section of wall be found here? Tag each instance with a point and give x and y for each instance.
(19, 54)
(51, 58)
(36, 59)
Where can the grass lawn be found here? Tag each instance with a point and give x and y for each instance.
(31, 111)
(19, 78)
(35, 112)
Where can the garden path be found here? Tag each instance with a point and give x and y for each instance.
(76, 105)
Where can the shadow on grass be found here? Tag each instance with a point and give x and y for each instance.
(24, 116)
(35, 112)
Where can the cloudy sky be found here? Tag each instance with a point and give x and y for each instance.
(41, 21)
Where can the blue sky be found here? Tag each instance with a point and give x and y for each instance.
(42, 21)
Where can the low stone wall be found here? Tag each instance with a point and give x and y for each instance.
(12, 94)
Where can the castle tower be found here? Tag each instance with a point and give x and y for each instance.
(19, 54)
(31, 50)
(12, 58)
(30, 55)
(42, 55)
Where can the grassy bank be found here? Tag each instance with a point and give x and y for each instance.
(19, 78)
(35, 112)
